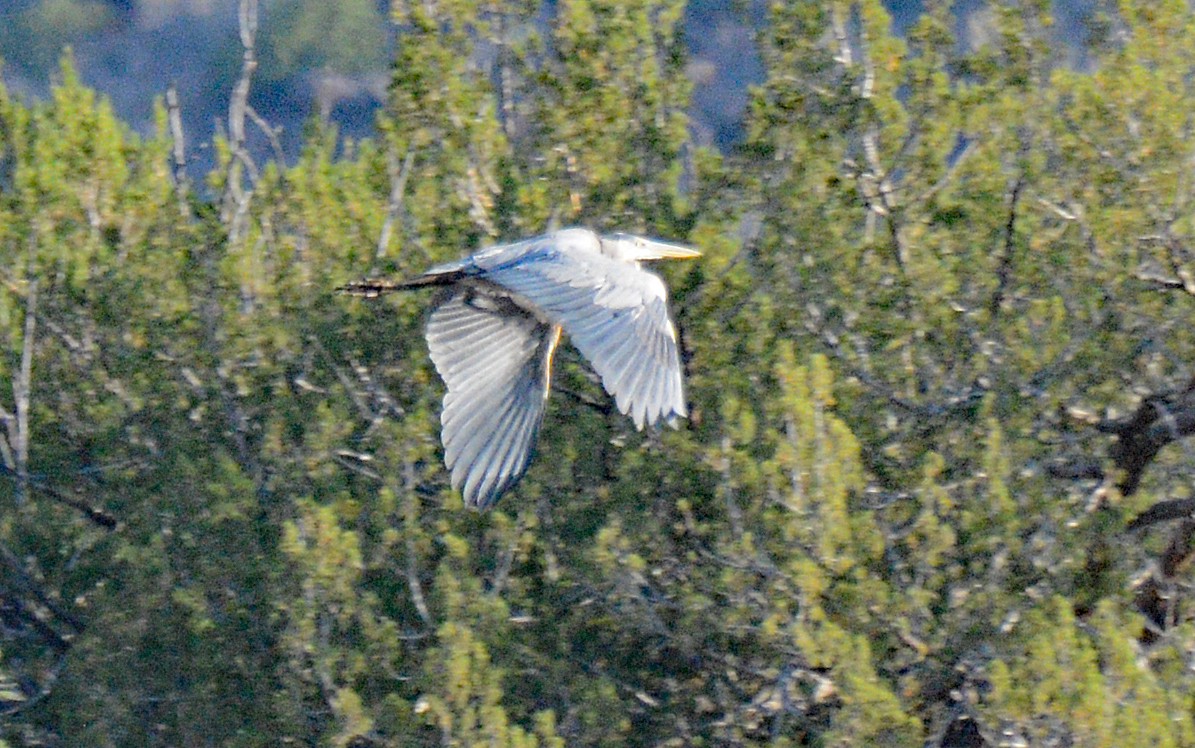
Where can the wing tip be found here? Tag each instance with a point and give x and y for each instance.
(482, 498)
(483, 502)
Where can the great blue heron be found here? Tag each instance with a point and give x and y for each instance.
(493, 333)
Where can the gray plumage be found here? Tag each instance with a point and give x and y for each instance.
(493, 334)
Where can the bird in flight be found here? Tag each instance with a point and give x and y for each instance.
(493, 332)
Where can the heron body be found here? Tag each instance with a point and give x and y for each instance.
(493, 334)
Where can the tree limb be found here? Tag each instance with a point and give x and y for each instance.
(1163, 511)
(1004, 269)
(21, 388)
(413, 584)
(1158, 421)
(398, 187)
(178, 151)
(235, 203)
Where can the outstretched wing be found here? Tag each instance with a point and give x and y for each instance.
(493, 356)
(615, 313)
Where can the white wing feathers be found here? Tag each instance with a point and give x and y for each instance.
(615, 313)
(490, 355)
(492, 338)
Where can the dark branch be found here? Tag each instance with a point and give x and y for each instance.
(1158, 421)
(1164, 512)
(1004, 271)
(18, 578)
(1155, 596)
(371, 288)
(38, 484)
(1076, 470)
(601, 406)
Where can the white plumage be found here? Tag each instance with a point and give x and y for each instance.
(493, 334)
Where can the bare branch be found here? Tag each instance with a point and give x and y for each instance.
(1059, 210)
(962, 398)
(356, 462)
(398, 188)
(1159, 420)
(413, 583)
(506, 556)
(1076, 469)
(506, 84)
(1186, 284)
(1164, 511)
(573, 177)
(845, 58)
(1180, 259)
(93, 514)
(174, 118)
(1156, 595)
(601, 406)
(376, 390)
(43, 689)
(21, 390)
(270, 132)
(1004, 269)
(236, 198)
(733, 511)
(8, 439)
(480, 200)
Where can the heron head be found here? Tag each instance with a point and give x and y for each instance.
(630, 248)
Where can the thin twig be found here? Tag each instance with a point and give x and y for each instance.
(21, 388)
(506, 557)
(733, 511)
(845, 58)
(8, 439)
(947, 177)
(270, 132)
(398, 188)
(480, 204)
(93, 514)
(1004, 269)
(355, 461)
(1165, 282)
(600, 406)
(413, 583)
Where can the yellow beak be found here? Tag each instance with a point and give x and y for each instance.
(653, 250)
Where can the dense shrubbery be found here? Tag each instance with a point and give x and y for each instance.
(942, 320)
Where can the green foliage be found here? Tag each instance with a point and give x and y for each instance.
(301, 36)
(924, 252)
(1089, 680)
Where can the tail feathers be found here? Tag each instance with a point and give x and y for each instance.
(371, 288)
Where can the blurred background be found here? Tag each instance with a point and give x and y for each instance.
(332, 60)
